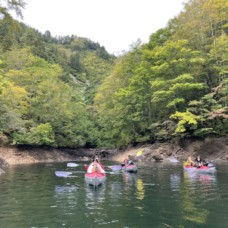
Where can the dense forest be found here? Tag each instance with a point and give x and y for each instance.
(70, 92)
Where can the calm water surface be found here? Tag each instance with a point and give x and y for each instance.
(157, 196)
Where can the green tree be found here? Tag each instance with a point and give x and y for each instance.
(13, 105)
(16, 5)
(187, 122)
(51, 101)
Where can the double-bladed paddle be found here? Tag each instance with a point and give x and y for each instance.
(112, 167)
(115, 167)
(68, 174)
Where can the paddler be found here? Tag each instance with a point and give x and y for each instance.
(95, 166)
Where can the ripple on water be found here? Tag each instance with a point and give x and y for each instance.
(158, 195)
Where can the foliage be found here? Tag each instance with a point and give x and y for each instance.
(69, 92)
(187, 121)
(179, 74)
(41, 135)
(54, 114)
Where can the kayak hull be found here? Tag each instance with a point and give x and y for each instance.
(202, 169)
(95, 179)
(130, 168)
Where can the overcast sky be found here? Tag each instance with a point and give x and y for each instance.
(114, 24)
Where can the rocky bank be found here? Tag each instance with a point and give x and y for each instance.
(215, 149)
(210, 149)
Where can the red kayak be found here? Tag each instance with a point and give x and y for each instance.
(95, 179)
(130, 168)
(201, 169)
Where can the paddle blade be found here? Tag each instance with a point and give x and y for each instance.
(173, 160)
(71, 164)
(211, 165)
(62, 173)
(115, 167)
(139, 153)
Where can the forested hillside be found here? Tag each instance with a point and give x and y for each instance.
(173, 87)
(47, 85)
(69, 92)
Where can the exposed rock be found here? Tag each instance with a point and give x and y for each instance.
(3, 163)
(24, 155)
(209, 149)
(1, 171)
(158, 157)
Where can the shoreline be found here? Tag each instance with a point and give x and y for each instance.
(215, 149)
(210, 149)
(30, 155)
(14, 156)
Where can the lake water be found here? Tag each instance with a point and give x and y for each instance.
(157, 196)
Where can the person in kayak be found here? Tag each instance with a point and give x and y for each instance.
(127, 161)
(189, 162)
(95, 166)
(198, 162)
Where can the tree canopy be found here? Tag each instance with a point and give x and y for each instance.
(70, 92)
(170, 87)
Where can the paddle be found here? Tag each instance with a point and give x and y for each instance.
(67, 173)
(62, 173)
(173, 160)
(113, 167)
(211, 164)
(71, 164)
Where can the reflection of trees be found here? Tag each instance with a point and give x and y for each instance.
(95, 195)
(192, 213)
(28, 194)
(207, 180)
(175, 182)
(129, 178)
(115, 191)
(66, 194)
(94, 203)
(192, 210)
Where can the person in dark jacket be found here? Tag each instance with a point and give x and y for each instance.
(198, 161)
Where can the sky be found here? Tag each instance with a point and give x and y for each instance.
(114, 24)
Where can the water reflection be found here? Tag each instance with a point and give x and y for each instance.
(131, 181)
(129, 178)
(65, 190)
(95, 195)
(32, 196)
(198, 189)
(115, 190)
(175, 180)
(201, 178)
(194, 214)
(66, 194)
(140, 194)
(94, 203)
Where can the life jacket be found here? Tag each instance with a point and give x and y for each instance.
(95, 167)
(125, 161)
